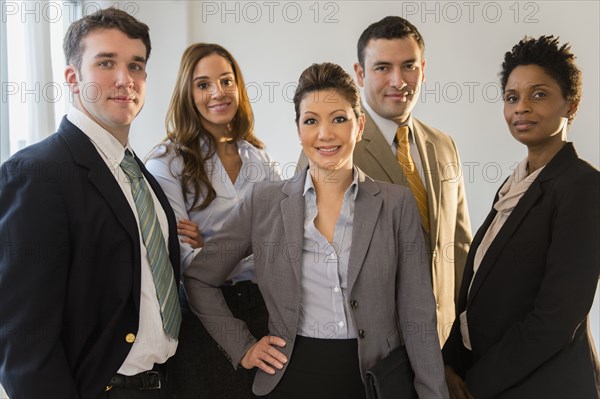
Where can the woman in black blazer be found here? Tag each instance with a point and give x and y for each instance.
(533, 267)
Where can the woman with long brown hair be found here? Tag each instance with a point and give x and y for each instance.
(208, 161)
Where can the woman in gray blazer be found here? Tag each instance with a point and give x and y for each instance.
(339, 260)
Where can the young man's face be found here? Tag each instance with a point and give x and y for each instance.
(392, 76)
(110, 86)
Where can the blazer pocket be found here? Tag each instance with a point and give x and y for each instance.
(393, 340)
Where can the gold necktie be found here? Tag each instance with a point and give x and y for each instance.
(412, 175)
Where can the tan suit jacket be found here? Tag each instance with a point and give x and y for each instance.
(449, 217)
(387, 275)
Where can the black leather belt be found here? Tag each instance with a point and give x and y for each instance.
(141, 381)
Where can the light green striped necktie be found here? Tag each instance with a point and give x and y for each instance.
(162, 272)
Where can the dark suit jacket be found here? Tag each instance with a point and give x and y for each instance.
(69, 269)
(388, 277)
(529, 301)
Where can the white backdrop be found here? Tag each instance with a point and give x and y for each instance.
(274, 41)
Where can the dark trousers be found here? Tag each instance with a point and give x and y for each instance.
(321, 368)
(199, 370)
(163, 393)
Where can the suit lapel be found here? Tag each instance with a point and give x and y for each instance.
(378, 147)
(556, 166)
(468, 273)
(292, 210)
(366, 212)
(433, 181)
(85, 154)
(506, 232)
(99, 174)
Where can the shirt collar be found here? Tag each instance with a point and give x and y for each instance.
(353, 189)
(243, 145)
(388, 127)
(106, 143)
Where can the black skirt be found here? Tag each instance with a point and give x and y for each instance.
(199, 369)
(321, 368)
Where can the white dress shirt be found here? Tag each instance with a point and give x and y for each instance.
(257, 166)
(152, 345)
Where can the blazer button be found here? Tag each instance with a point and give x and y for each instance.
(130, 338)
(361, 333)
(353, 304)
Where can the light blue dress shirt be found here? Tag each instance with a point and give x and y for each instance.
(324, 307)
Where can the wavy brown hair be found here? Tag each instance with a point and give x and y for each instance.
(184, 127)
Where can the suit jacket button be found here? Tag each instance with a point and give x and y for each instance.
(361, 333)
(130, 338)
(353, 304)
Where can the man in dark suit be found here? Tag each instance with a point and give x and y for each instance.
(90, 255)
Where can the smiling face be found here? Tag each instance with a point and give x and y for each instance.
(216, 94)
(535, 109)
(392, 76)
(328, 129)
(110, 85)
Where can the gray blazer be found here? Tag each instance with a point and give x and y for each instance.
(388, 277)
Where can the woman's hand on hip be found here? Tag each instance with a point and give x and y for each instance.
(264, 355)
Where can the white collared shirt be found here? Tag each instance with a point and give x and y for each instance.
(388, 128)
(152, 345)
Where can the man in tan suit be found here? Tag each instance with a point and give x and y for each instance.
(390, 70)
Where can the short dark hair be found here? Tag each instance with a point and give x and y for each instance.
(558, 62)
(109, 18)
(327, 76)
(391, 27)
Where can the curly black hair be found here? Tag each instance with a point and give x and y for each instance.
(546, 52)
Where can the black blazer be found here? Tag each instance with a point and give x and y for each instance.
(530, 299)
(69, 269)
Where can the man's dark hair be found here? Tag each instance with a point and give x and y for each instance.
(109, 18)
(390, 27)
(557, 61)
